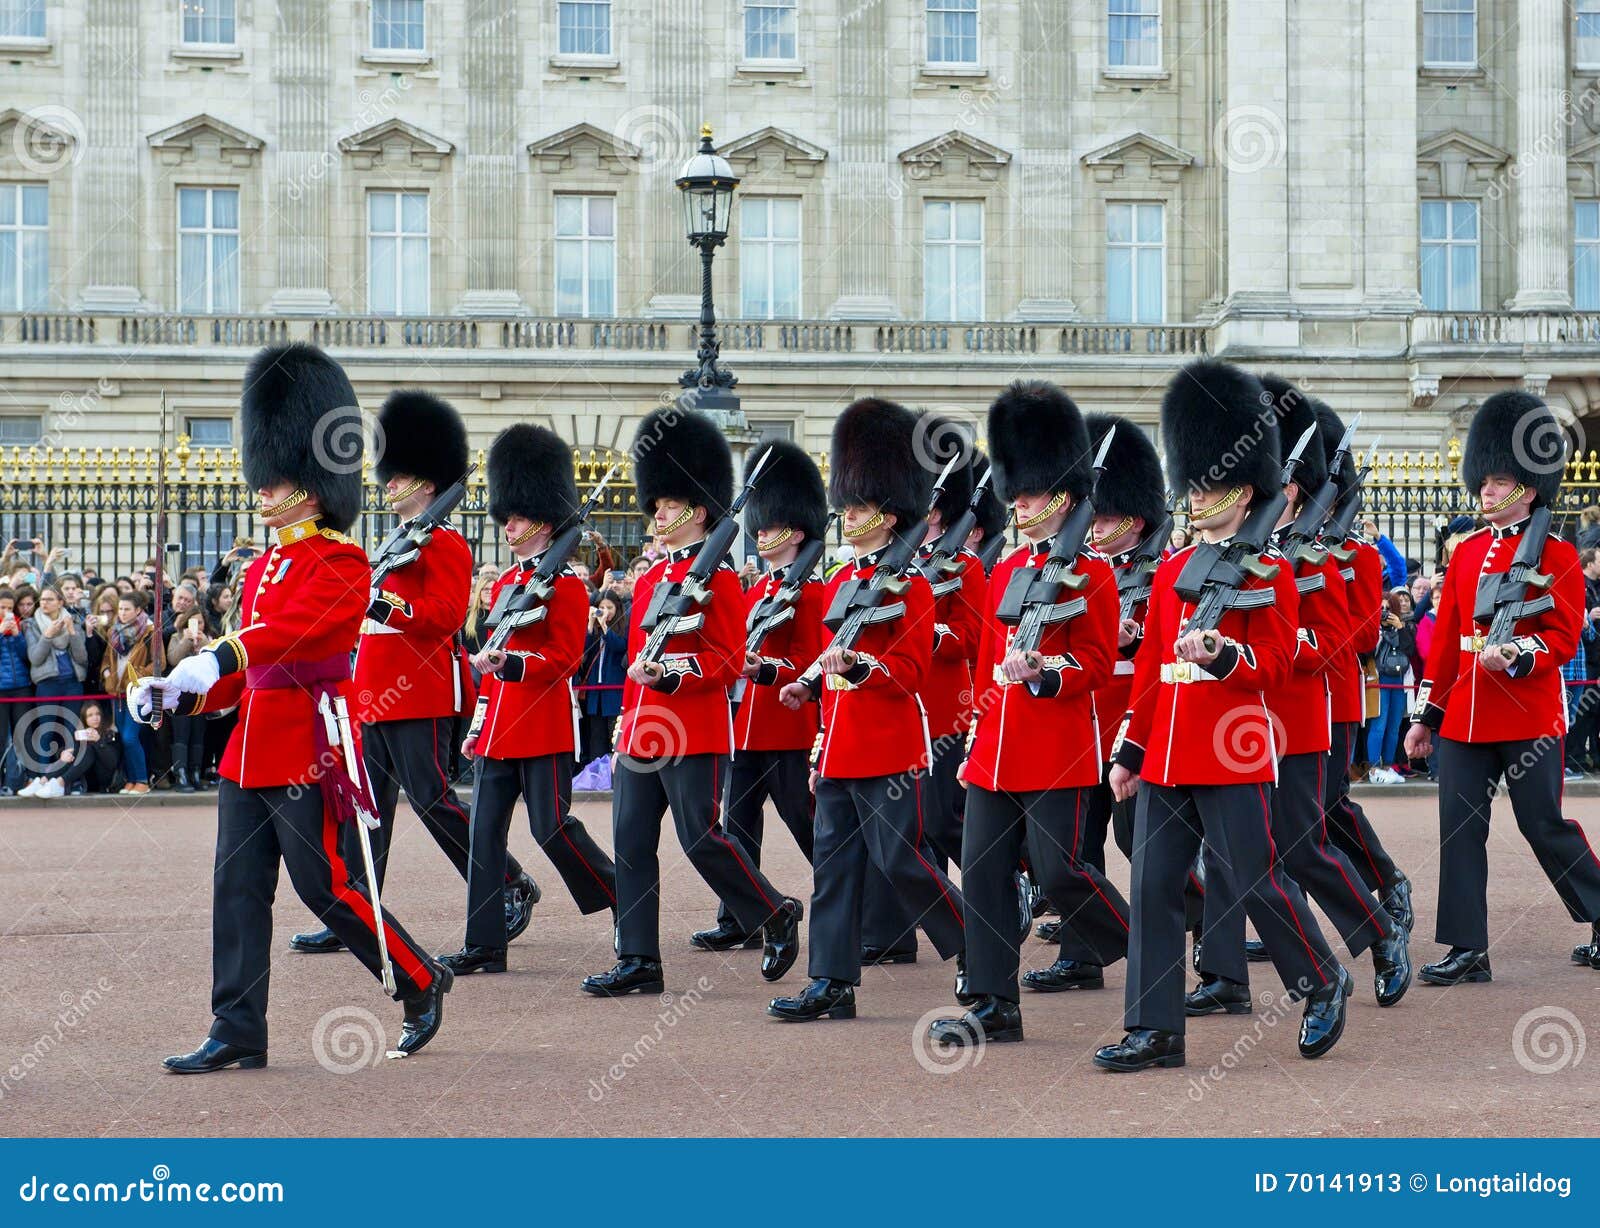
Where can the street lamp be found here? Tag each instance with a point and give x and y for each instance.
(707, 183)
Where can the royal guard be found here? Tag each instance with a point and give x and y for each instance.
(1509, 616)
(888, 933)
(1035, 754)
(1302, 733)
(288, 779)
(1361, 569)
(786, 513)
(1199, 745)
(872, 756)
(675, 735)
(411, 678)
(522, 733)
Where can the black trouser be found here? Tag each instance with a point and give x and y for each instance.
(594, 737)
(413, 755)
(1348, 826)
(1169, 827)
(1300, 837)
(1467, 775)
(1051, 825)
(189, 744)
(754, 776)
(10, 718)
(885, 921)
(1104, 810)
(875, 823)
(642, 792)
(94, 766)
(1585, 726)
(545, 786)
(255, 828)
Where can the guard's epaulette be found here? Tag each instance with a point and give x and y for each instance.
(334, 535)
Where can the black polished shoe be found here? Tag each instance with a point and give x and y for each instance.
(1048, 931)
(1029, 900)
(185, 784)
(871, 956)
(1323, 1022)
(213, 1055)
(1218, 993)
(1063, 975)
(520, 897)
(992, 1019)
(1461, 966)
(316, 942)
(964, 994)
(1255, 951)
(425, 1012)
(1397, 903)
(1391, 966)
(822, 998)
(727, 936)
(1588, 956)
(631, 974)
(782, 946)
(1140, 1049)
(471, 959)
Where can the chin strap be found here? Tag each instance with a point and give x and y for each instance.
(1123, 527)
(772, 543)
(866, 526)
(400, 496)
(284, 504)
(1217, 508)
(1050, 509)
(523, 536)
(1498, 505)
(680, 520)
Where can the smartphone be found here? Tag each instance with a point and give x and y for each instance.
(249, 552)
(81, 735)
(616, 576)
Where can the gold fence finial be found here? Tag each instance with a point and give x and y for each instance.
(1453, 457)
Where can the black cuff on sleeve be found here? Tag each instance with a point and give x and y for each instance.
(229, 659)
(513, 669)
(1131, 756)
(1227, 661)
(669, 683)
(766, 675)
(1047, 685)
(858, 673)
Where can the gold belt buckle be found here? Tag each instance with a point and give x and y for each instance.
(1181, 670)
(838, 682)
(1479, 643)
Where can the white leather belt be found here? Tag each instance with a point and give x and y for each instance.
(1185, 671)
(1474, 643)
(1122, 667)
(372, 626)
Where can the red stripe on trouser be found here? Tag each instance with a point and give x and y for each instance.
(916, 847)
(400, 953)
(716, 795)
(561, 826)
(1322, 847)
(1272, 877)
(1077, 858)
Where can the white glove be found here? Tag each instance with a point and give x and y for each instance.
(196, 674)
(143, 701)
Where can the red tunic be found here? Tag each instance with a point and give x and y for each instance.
(1045, 735)
(528, 707)
(873, 723)
(761, 722)
(1214, 729)
(301, 603)
(1363, 577)
(408, 664)
(1467, 703)
(1303, 704)
(689, 716)
(958, 617)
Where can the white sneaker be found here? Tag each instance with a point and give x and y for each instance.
(52, 788)
(31, 789)
(1383, 776)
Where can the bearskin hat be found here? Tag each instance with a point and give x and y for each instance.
(421, 436)
(1219, 430)
(938, 439)
(300, 423)
(1295, 414)
(1131, 483)
(1038, 441)
(680, 453)
(530, 474)
(1516, 434)
(789, 491)
(1330, 430)
(873, 460)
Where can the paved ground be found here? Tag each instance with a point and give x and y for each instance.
(104, 942)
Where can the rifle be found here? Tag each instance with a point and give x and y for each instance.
(680, 607)
(1502, 597)
(770, 613)
(1136, 579)
(528, 603)
(1301, 541)
(405, 542)
(1030, 601)
(1214, 575)
(859, 603)
(989, 551)
(942, 565)
(1343, 518)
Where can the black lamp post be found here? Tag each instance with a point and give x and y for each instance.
(707, 183)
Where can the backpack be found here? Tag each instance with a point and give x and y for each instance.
(1391, 660)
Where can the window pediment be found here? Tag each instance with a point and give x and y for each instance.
(584, 146)
(205, 138)
(396, 143)
(955, 155)
(774, 151)
(1137, 155)
(1457, 164)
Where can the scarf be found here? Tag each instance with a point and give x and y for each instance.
(125, 636)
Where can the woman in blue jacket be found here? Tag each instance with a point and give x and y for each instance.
(16, 681)
(605, 664)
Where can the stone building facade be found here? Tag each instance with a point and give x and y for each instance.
(1396, 202)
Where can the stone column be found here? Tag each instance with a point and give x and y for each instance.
(302, 169)
(865, 183)
(1249, 143)
(1045, 167)
(1541, 184)
(107, 178)
(1388, 180)
(490, 76)
(677, 75)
